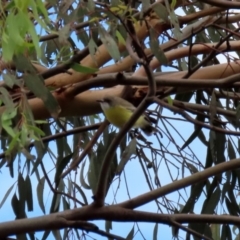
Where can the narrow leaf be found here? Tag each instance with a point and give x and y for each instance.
(130, 234)
(213, 108)
(40, 188)
(83, 69)
(6, 196)
(161, 11)
(29, 197)
(156, 49)
(155, 232)
(61, 164)
(127, 153)
(109, 43)
(81, 192)
(82, 180)
(21, 191)
(231, 152)
(36, 85)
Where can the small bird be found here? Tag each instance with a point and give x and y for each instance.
(118, 111)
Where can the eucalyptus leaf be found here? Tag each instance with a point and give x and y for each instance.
(109, 43)
(40, 191)
(35, 84)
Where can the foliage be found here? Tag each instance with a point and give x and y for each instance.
(66, 168)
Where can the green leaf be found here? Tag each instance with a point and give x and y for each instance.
(9, 79)
(7, 99)
(57, 197)
(9, 5)
(41, 8)
(15, 205)
(45, 235)
(92, 49)
(36, 85)
(226, 187)
(56, 234)
(9, 114)
(64, 34)
(35, 38)
(226, 232)
(15, 22)
(191, 138)
(40, 188)
(14, 143)
(8, 47)
(130, 234)
(196, 191)
(215, 228)
(6, 196)
(6, 122)
(84, 38)
(174, 21)
(29, 195)
(21, 191)
(155, 232)
(231, 208)
(145, 5)
(41, 150)
(211, 203)
(191, 167)
(170, 101)
(213, 107)
(120, 38)
(220, 144)
(161, 11)
(66, 205)
(108, 225)
(173, 4)
(97, 160)
(109, 43)
(156, 49)
(127, 153)
(82, 181)
(94, 170)
(231, 152)
(185, 97)
(91, 5)
(61, 164)
(81, 192)
(83, 69)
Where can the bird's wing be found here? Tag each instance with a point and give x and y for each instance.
(132, 109)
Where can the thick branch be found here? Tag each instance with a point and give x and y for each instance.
(185, 182)
(76, 218)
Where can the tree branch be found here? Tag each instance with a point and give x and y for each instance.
(78, 217)
(182, 183)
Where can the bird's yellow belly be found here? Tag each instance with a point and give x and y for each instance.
(118, 116)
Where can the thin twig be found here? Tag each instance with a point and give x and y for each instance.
(62, 134)
(194, 121)
(56, 191)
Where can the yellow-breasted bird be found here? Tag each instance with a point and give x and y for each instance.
(118, 111)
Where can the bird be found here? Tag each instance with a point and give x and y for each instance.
(118, 111)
